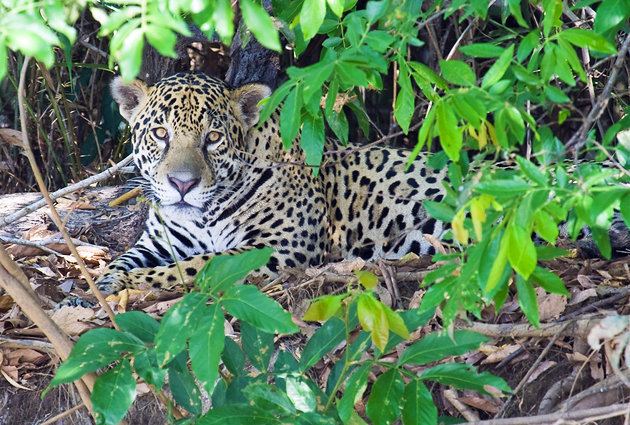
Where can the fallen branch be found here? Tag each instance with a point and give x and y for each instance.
(104, 175)
(43, 243)
(581, 416)
(578, 327)
(33, 344)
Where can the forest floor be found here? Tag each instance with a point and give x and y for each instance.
(551, 368)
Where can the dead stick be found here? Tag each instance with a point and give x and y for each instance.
(59, 340)
(575, 327)
(581, 416)
(16, 271)
(104, 175)
(53, 211)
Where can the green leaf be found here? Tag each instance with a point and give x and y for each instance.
(257, 345)
(611, 16)
(247, 303)
(356, 385)
(457, 72)
(178, 324)
(548, 62)
(396, 323)
(239, 415)
(206, 346)
(113, 394)
(95, 349)
(545, 226)
(182, 385)
(404, 107)
(311, 17)
(383, 406)
(300, 394)
(435, 346)
(531, 171)
(233, 357)
(439, 210)
(261, 25)
(223, 19)
(527, 45)
(223, 271)
(327, 337)
(139, 324)
(129, 57)
(270, 104)
(527, 300)
(504, 188)
(556, 95)
(268, 397)
(373, 319)
(147, 367)
(549, 281)
(602, 240)
(482, 50)
(521, 251)
(162, 39)
(337, 6)
(366, 278)
(317, 75)
(515, 10)
(590, 39)
(290, 116)
(465, 377)
(3, 61)
(418, 406)
(423, 136)
(498, 69)
(451, 138)
(553, 10)
(497, 272)
(312, 141)
(323, 308)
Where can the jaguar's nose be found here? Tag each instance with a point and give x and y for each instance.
(183, 186)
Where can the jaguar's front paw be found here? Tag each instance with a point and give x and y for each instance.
(112, 283)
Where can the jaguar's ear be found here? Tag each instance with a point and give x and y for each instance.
(129, 96)
(246, 98)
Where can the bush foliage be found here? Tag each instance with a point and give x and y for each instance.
(512, 92)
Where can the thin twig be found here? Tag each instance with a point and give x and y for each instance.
(580, 416)
(579, 138)
(104, 175)
(529, 373)
(579, 327)
(53, 211)
(63, 414)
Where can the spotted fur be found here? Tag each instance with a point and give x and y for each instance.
(221, 183)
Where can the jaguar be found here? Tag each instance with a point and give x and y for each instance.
(221, 182)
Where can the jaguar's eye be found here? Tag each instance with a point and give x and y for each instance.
(160, 133)
(213, 139)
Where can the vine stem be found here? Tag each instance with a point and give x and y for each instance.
(53, 211)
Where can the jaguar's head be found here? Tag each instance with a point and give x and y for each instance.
(187, 131)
